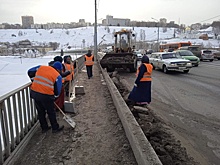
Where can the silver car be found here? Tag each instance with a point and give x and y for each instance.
(169, 61)
(207, 55)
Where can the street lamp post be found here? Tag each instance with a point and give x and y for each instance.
(95, 33)
(158, 32)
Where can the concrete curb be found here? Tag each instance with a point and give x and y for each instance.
(142, 149)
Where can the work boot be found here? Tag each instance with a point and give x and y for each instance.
(58, 129)
(45, 130)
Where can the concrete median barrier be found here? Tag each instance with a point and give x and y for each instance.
(142, 149)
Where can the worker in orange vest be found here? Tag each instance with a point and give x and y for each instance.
(89, 62)
(60, 100)
(141, 93)
(69, 65)
(46, 85)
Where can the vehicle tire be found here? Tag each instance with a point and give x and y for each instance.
(133, 68)
(196, 65)
(165, 69)
(110, 69)
(211, 60)
(186, 71)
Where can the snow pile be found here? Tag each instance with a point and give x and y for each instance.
(84, 36)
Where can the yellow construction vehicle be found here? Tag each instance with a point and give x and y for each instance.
(122, 54)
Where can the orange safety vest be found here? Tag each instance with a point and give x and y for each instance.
(147, 75)
(44, 80)
(89, 61)
(71, 69)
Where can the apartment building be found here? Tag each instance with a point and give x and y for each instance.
(27, 21)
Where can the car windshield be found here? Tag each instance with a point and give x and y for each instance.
(186, 53)
(194, 48)
(169, 55)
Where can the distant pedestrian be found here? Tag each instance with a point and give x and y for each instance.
(46, 85)
(89, 62)
(141, 93)
(61, 52)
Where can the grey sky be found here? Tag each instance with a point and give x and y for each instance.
(66, 11)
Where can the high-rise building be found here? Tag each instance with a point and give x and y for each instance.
(27, 21)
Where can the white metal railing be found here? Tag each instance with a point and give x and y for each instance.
(18, 118)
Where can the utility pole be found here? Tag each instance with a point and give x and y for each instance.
(95, 34)
(158, 31)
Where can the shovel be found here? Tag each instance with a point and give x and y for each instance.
(66, 117)
(69, 104)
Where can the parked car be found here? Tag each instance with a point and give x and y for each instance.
(186, 54)
(207, 55)
(138, 54)
(149, 51)
(216, 54)
(195, 49)
(169, 61)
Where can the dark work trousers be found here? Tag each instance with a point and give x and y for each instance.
(89, 71)
(45, 105)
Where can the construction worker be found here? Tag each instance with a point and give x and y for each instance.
(89, 62)
(46, 85)
(68, 66)
(60, 100)
(141, 93)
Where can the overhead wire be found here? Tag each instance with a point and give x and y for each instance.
(210, 18)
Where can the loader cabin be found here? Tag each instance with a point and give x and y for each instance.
(123, 41)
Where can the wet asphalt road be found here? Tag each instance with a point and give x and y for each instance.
(190, 104)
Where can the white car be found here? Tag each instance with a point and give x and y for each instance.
(138, 54)
(169, 61)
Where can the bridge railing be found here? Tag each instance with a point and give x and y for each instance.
(18, 119)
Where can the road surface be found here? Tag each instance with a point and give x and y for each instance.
(189, 103)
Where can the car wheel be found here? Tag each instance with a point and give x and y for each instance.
(211, 60)
(196, 65)
(165, 69)
(110, 69)
(186, 71)
(133, 68)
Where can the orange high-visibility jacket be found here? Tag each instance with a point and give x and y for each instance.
(89, 61)
(44, 82)
(69, 67)
(147, 75)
